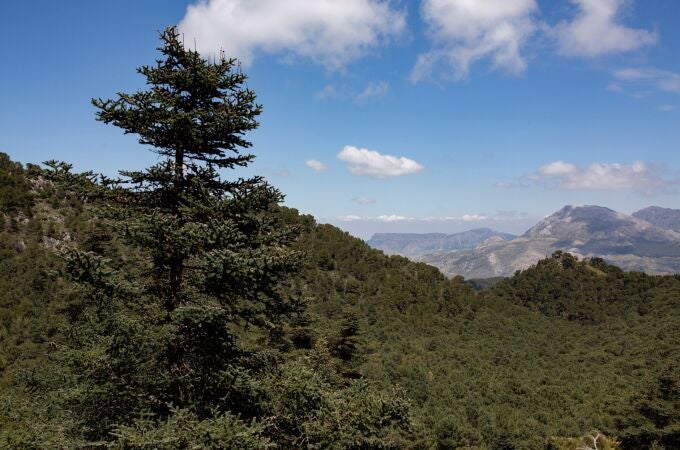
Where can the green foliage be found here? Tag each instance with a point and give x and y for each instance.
(15, 190)
(587, 292)
(183, 429)
(178, 286)
(185, 315)
(557, 350)
(591, 441)
(310, 412)
(554, 351)
(202, 259)
(655, 416)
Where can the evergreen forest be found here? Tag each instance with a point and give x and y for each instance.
(183, 307)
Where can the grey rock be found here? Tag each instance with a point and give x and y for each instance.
(661, 217)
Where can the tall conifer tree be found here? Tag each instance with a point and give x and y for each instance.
(210, 252)
(173, 330)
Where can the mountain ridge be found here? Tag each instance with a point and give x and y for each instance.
(587, 231)
(417, 244)
(662, 217)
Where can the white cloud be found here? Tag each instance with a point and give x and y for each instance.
(510, 215)
(329, 32)
(596, 31)
(370, 163)
(387, 218)
(375, 89)
(465, 31)
(666, 108)
(473, 217)
(315, 165)
(557, 168)
(394, 218)
(603, 176)
(464, 220)
(478, 217)
(363, 200)
(349, 218)
(662, 80)
(370, 91)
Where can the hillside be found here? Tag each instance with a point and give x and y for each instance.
(344, 284)
(586, 231)
(560, 349)
(415, 244)
(661, 217)
(553, 351)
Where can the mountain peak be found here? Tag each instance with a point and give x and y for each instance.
(631, 242)
(571, 219)
(584, 211)
(661, 217)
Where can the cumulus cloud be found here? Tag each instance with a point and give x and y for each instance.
(500, 216)
(370, 163)
(329, 32)
(596, 30)
(637, 176)
(363, 200)
(349, 218)
(557, 168)
(315, 165)
(465, 31)
(375, 89)
(387, 218)
(473, 217)
(662, 80)
(394, 218)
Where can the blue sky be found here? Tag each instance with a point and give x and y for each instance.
(422, 115)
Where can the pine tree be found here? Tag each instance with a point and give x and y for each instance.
(205, 256)
(655, 419)
(173, 334)
(15, 193)
(196, 115)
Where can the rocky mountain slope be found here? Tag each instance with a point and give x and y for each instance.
(585, 231)
(661, 217)
(416, 244)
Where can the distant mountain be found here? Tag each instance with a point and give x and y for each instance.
(414, 244)
(585, 231)
(661, 217)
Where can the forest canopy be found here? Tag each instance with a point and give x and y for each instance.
(182, 306)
